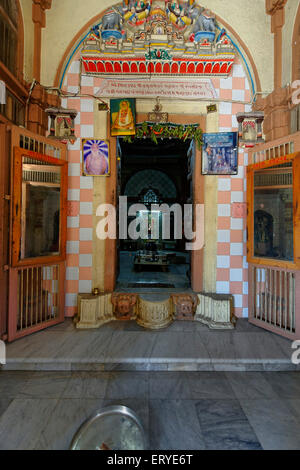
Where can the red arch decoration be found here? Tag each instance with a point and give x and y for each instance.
(183, 68)
(142, 68)
(158, 68)
(92, 66)
(100, 67)
(134, 68)
(117, 67)
(174, 68)
(166, 68)
(191, 68)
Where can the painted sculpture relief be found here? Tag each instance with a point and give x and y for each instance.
(158, 37)
(95, 157)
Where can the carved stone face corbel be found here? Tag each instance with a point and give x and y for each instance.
(124, 306)
(185, 306)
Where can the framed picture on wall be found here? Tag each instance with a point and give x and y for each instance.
(220, 153)
(122, 117)
(95, 157)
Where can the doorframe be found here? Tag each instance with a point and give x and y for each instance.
(197, 256)
(4, 223)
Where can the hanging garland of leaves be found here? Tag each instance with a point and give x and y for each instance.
(156, 131)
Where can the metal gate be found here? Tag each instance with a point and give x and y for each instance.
(36, 289)
(274, 294)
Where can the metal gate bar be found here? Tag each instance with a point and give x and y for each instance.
(273, 300)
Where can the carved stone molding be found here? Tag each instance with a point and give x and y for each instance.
(155, 315)
(39, 101)
(274, 5)
(38, 11)
(276, 110)
(94, 311)
(211, 309)
(184, 306)
(215, 311)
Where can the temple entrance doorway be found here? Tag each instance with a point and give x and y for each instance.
(156, 177)
(115, 188)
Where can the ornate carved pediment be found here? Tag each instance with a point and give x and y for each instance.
(162, 38)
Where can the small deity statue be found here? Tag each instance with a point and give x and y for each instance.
(176, 8)
(139, 6)
(138, 11)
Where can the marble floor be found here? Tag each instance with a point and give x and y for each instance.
(179, 410)
(176, 275)
(125, 346)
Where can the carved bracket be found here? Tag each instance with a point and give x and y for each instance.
(184, 306)
(124, 306)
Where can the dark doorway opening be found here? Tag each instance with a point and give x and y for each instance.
(158, 174)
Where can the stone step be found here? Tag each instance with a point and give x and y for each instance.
(126, 346)
(163, 365)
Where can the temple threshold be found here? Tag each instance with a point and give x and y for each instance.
(155, 310)
(124, 345)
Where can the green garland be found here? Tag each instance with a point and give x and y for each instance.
(155, 131)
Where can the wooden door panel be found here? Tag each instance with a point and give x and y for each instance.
(37, 283)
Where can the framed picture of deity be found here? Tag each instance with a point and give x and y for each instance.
(220, 153)
(95, 157)
(122, 117)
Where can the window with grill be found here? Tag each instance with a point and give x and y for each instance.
(273, 211)
(14, 109)
(39, 200)
(9, 34)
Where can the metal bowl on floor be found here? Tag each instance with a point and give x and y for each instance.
(111, 428)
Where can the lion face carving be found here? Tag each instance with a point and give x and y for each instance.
(124, 305)
(185, 306)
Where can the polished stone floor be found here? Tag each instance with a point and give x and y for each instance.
(179, 410)
(193, 388)
(176, 275)
(119, 345)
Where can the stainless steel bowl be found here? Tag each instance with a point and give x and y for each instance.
(111, 428)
